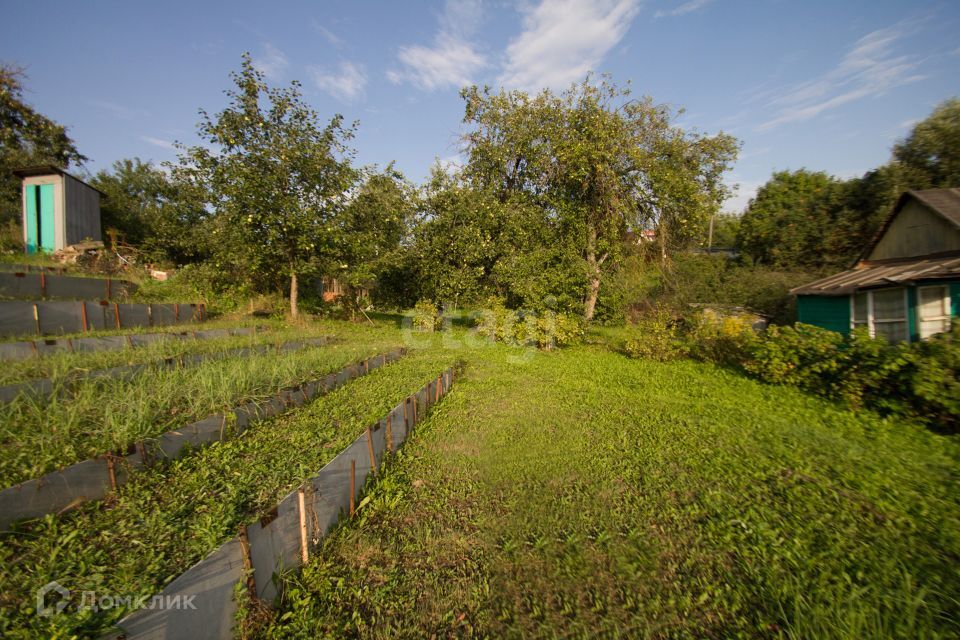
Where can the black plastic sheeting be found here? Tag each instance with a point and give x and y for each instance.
(46, 387)
(68, 317)
(58, 287)
(93, 479)
(20, 317)
(278, 542)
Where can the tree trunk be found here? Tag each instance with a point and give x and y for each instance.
(294, 309)
(590, 304)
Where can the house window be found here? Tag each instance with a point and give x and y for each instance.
(933, 310)
(882, 311)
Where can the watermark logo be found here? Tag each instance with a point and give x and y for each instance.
(52, 598)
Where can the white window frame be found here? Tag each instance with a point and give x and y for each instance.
(947, 306)
(871, 327)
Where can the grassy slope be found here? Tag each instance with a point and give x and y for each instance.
(583, 494)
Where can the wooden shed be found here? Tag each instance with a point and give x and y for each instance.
(906, 282)
(58, 209)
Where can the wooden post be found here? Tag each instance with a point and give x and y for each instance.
(176, 312)
(353, 485)
(83, 314)
(389, 433)
(43, 285)
(116, 314)
(111, 472)
(247, 563)
(304, 538)
(36, 318)
(439, 384)
(406, 416)
(149, 315)
(373, 458)
(109, 288)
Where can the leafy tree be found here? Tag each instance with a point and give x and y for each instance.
(278, 181)
(375, 226)
(596, 163)
(26, 138)
(785, 222)
(930, 155)
(153, 210)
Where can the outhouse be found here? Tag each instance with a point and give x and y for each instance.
(58, 209)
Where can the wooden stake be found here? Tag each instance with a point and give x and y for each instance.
(389, 433)
(109, 290)
(353, 485)
(111, 472)
(83, 314)
(43, 285)
(406, 417)
(36, 318)
(439, 384)
(304, 540)
(116, 314)
(373, 458)
(247, 563)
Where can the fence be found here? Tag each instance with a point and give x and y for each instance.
(20, 317)
(94, 478)
(50, 346)
(46, 387)
(42, 285)
(282, 540)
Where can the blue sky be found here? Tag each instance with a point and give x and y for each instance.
(824, 85)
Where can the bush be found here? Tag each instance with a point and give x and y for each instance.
(545, 331)
(725, 340)
(657, 337)
(918, 380)
(426, 316)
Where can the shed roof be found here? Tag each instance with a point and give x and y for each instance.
(885, 273)
(48, 169)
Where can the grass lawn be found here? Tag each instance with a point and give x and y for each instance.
(582, 494)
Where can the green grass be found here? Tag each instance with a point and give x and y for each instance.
(38, 435)
(64, 364)
(582, 494)
(167, 519)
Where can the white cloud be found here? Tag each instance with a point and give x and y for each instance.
(562, 40)
(686, 7)
(347, 83)
(159, 142)
(452, 59)
(871, 68)
(273, 63)
(328, 35)
(119, 110)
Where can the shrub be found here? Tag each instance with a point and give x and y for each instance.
(919, 380)
(724, 340)
(657, 337)
(545, 331)
(426, 316)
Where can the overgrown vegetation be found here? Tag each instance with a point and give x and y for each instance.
(919, 380)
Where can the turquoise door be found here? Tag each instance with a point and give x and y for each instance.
(39, 218)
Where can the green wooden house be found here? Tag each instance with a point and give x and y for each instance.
(906, 283)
